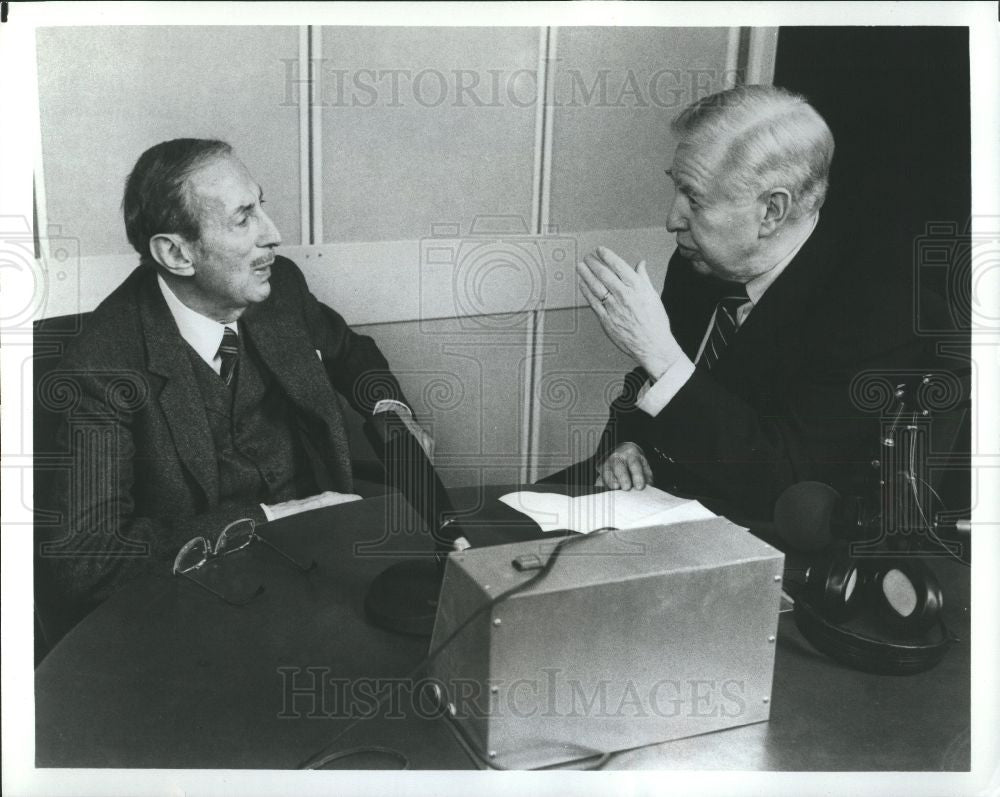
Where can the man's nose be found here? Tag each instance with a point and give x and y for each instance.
(675, 219)
(269, 235)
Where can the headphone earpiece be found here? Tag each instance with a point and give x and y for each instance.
(836, 585)
(908, 595)
(905, 594)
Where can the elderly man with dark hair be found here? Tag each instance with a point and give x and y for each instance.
(205, 385)
(766, 317)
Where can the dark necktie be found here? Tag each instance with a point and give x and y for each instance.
(229, 353)
(723, 327)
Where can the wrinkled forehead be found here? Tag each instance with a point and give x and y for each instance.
(221, 185)
(697, 162)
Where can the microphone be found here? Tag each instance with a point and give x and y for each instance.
(409, 470)
(403, 597)
(810, 516)
(956, 526)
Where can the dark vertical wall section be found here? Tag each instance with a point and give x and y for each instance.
(897, 100)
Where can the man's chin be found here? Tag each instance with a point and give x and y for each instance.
(262, 291)
(701, 267)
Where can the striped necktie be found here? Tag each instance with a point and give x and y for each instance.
(229, 353)
(724, 326)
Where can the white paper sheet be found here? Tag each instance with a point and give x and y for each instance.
(612, 509)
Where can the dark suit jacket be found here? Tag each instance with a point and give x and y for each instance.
(778, 406)
(141, 476)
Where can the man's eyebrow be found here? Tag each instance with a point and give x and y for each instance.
(250, 206)
(680, 182)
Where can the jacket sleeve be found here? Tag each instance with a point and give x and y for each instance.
(790, 415)
(747, 455)
(92, 541)
(354, 363)
(625, 422)
(746, 450)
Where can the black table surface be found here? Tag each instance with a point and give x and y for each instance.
(165, 675)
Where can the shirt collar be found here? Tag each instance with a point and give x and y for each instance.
(759, 284)
(202, 333)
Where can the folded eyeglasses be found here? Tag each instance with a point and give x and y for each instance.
(235, 537)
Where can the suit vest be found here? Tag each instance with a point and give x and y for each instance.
(258, 451)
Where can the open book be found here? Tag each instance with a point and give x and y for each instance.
(616, 509)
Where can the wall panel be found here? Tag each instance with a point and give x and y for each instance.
(405, 147)
(577, 370)
(581, 373)
(465, 381)
(107, 94)
(615, 92)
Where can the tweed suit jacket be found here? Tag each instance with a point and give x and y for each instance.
(142, 477)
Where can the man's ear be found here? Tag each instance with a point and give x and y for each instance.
(172, 252)
(777, 206)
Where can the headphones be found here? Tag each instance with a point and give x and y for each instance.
(905, 595)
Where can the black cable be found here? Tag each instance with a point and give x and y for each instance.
(313, 762)
(353, 751)
(470, 749)
(912, 478)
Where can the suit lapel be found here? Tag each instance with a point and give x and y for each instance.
(179, 397)
(791, 295)
(285, 350)
(689, 299)
(777, 320)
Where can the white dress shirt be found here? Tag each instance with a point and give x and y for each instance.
(654, 396)
(202, 333)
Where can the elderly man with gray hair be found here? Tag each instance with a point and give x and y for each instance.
(766, 316)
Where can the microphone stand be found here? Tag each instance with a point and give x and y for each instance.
(403, 598)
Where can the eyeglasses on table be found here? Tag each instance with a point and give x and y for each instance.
(197, 552)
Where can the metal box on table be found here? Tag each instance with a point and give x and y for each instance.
(632, 637)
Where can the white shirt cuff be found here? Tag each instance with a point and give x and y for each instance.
(386, 405)
(267, 512)
(406, 416)
(654, 397)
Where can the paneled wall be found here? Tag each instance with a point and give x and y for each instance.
(618, 90)
(436, 185)
(397, 161)
(106, 94)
